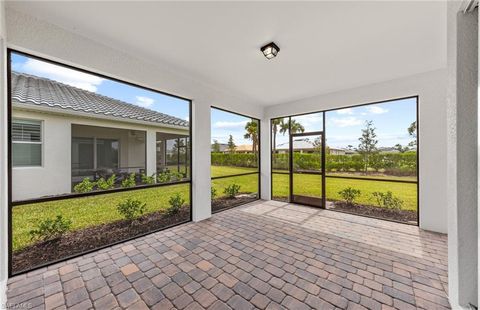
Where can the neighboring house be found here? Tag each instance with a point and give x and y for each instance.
(306, 146)
(100, 136)
(243, 148)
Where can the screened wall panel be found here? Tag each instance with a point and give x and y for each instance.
(94, 161)
(366, 165)
(235, 159)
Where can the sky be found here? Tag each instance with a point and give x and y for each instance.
(225, 124)
(124, 92)
(343, 127)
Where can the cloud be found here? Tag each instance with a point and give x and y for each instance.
(376, 110)
(346, 121)
(61, 74)
(311, 122)
(230, 124)
(348, 111)
(144, 102)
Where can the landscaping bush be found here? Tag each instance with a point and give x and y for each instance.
(234, 159)
(232, 190)
(397, 164)
(85, 186)
(213, 192)
(51, 229)
(129, 181)
(148, 179)
(131, 208)
(349, 194)
(176, 203)
(163, 177)
(176, 176)
(387, 200)
(106, 184)
(169, 176)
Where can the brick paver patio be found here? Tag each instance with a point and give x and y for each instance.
(266, 255)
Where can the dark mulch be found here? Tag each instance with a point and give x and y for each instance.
(225, 203)
(91, 238)
(280, 198)
(406, 216)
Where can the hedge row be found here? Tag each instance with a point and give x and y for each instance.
(235, 159)
(401, 164)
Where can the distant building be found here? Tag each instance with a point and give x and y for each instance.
(305, 146)
(243, 148)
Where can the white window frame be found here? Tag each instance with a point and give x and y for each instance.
(15, 119)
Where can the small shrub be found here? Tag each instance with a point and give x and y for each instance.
(163, 177)
(130, 209)
(148, 179)
(387, 200)
(84, 187)
(176, 176)
(106, 184)
(176, 202)
(349, 194)
(50, 229)
(232, 190)
(213, 192)
(130, 181)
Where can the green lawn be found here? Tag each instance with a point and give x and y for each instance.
(94, 210)
(217, 171)
(248, 184)
(88, 211)
(310, 185)
(371, 175)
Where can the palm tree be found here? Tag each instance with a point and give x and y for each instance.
(275, 124)
(252, 134)
(295, 127)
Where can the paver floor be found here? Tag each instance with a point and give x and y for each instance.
(266, 255)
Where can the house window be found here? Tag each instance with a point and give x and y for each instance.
(26, 143)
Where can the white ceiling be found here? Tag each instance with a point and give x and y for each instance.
(325, 46)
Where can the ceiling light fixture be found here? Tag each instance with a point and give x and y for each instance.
(270, 50)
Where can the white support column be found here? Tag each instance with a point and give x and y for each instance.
(265, 159)
(201, 161)
(151, 149)
(462, 100)
(3, 160)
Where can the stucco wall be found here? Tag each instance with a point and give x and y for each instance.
(430, 87)
(462, 160)
(3, 158)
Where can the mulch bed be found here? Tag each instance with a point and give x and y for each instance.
(91, 238)
(406, 216)
(225, 203)
(280, 198)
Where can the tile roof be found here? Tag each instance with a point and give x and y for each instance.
(33, 90)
